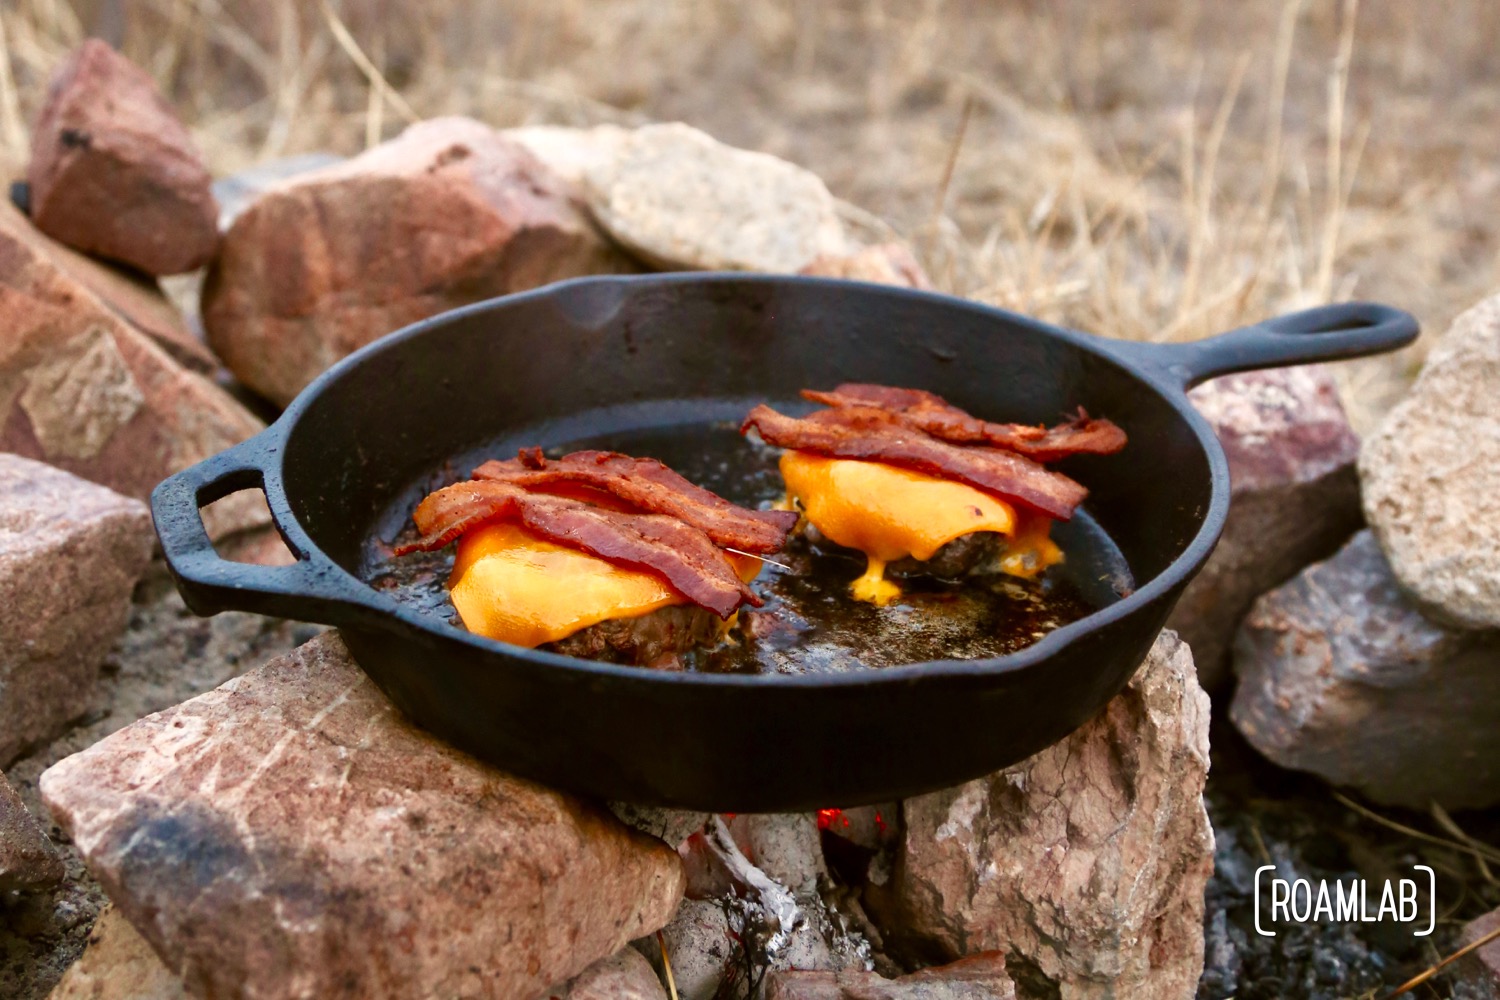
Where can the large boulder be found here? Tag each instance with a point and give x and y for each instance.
(1294, 498)
(117, 964)
(82, 389)
(1085, 864)
(114, 173)
(28, 861)
(449, 213)
(70, 554)
(133, 297)
(1431, 476)
(680, 200)
(289, 834)
(1342, 675)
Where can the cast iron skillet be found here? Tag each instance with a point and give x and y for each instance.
(577, 359)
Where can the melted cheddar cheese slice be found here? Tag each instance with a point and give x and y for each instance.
(510, 585)
(890, 513)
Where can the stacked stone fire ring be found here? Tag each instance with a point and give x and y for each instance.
(587, 358)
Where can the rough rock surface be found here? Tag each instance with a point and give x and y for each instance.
(118, 964)
(114, 173)
(572, 153)
(1431, 476)
(1084, 864)
(448, 213)
(701, 947)
(282, 835)
(1294, 498)
(884, 263)
(28, 860)
(672, 826)
(681, 200)
(83, 390)
(137, 299)
(1340, 674)
(977, 977)
(625, 975)
(1479, 970)
(70, 553)
(166, 656)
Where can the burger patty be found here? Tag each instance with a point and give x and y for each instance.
(650, 640)
(960, 557)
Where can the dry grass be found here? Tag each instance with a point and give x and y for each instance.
(1152, 170)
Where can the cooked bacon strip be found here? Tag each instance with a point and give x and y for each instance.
(680, 554)
(933, 414)
(650, 486)
(871, 434)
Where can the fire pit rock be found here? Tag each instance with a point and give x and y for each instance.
(287, 834)
(28, 861)
(118, 964)
(458, 212)
(1478, 972)
(1342, 675)
(1431, 476)
(1085, 865)
(84, 390)
(114, 173)
(978, 977)
(625, 975)
(70, 553)
(681, 201)
(1294, 493)
(884, 263)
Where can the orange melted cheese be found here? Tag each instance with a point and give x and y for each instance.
(890, 513)
(510, 585)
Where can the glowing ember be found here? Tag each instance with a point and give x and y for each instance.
(831, 817)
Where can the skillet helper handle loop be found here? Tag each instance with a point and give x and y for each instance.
(1325, 333)
(311, 589)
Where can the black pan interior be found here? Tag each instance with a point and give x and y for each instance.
(640, 364)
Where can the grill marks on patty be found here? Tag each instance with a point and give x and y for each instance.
(651, 487)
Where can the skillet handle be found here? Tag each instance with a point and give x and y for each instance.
(314, 588)
(1325, 333)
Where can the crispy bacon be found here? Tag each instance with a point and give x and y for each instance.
(649, 486)
(934, 415)
(872, 434)
(677, 552)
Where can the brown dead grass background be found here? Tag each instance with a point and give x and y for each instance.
(1151, 170)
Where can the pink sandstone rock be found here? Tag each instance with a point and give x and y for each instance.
(290, 835)
(70, 554)
(448, 213)
(1087, 861)
(114, 173)
(85, 391)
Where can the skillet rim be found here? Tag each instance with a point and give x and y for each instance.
(1136, 363)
